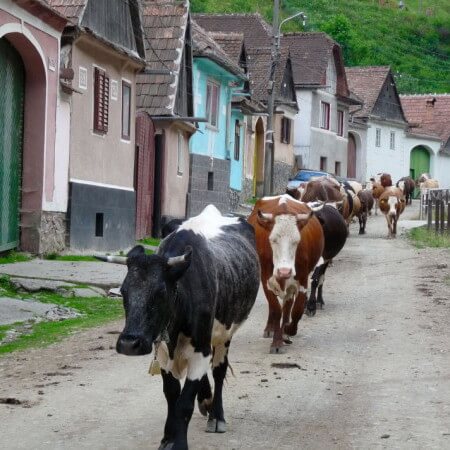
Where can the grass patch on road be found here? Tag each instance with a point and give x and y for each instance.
(56, 257)
(422, 237)
(150, 241)
(13, 257)
(95, 311)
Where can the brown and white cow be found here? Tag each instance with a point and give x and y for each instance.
(392, 204)
(377, 190)
(426, 182)
(289, 242)
(407, 185)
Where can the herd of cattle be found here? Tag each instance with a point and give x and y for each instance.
(185, 302)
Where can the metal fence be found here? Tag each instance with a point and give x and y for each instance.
(435, 209)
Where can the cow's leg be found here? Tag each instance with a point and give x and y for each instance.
(321, 281)
(204, 396)
(172, 389)
(298, 308)
(394, 226)
(287, 306)
(198, 363)
(389, 225)
(312, 301)
(273, 323)
(216, 422)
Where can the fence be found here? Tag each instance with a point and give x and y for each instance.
(436, 202)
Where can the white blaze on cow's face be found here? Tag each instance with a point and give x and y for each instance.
(401, 185)
(392, 202)
(284, 240)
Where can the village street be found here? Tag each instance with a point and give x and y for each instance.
(372, 370)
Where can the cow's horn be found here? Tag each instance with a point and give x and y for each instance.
(316, 206)
(264, 216)
(174, 260)
(112, 259)
(304, 216)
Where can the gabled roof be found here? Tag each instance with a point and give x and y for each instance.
(72, 9)
(257, 33)
(165, 24)
(428, 114)
(231, 43)
(366, 83)
(204, 46)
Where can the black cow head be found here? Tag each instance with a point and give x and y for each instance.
(148, 294)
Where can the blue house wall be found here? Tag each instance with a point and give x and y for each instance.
(212, 148)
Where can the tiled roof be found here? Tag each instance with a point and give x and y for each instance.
(203, 45)
(310, 53)
(428, 114)
(366, 83)
(231, 43)
(257, 33)
(72, 9)
(164, 24)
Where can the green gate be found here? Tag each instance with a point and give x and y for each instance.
(11, 127)
(419, 164)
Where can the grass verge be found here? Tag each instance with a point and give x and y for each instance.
(95, 311)
(56, 257)
(422, 237)
(13, 257)
(150, 241)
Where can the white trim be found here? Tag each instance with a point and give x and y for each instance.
(106, 185)
(114, 94)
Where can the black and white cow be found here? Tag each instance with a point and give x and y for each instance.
(187, 301)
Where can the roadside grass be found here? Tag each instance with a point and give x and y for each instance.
(95, 311)
(150, 241)
(56, 257)
(252, 200)
(422, 237)
(13, 257)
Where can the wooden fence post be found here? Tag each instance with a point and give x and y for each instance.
(429, 212)
(442, 206)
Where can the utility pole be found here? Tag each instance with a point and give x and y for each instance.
(269, 143)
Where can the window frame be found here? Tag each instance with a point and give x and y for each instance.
(337, 165)
(101, 101)
(323, 163)
(126, 137)
(377, 137)
(392, 140)
(212, 85)
(340, 122)
(325, 109)
(286, 126)
(180, 159)
(237, 140)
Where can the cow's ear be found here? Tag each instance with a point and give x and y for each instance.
(177, 265)
(264, 219)
(136, 251)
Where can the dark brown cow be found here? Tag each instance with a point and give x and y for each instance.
(323, 189)
(366, 198)
(289, 242)
(392, 204)
(407, 185)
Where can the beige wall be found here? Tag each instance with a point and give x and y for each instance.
(175, 186)
(283, 152)
(105, 159)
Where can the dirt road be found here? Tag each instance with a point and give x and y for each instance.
(374, 371)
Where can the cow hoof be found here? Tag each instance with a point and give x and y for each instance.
(287, 339)
(205, 406)
(311, 312)
(320, 305)
(290, 329)
(268, 334)
(362, 232)
(277, 349)
(216, 426)
(165, 446)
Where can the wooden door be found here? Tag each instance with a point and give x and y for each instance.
(351, 157)
(144, 174)
(419, 164)
(12, 82)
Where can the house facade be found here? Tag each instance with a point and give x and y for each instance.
(215, 78)
(101, 53)
(33, 181)
(166, 116)
(428, 135)
(379, 130)
(320, 137)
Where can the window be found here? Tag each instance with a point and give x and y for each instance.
(212, 103)
(323, 163)
(237, 140)
(210, 181)
(126, 110)
(392, 141)
(101, 101)
(180, 155)
(286, 130)
(340, 124)
(325, 115)
(337, 168)
(378, 137)
(99, 225)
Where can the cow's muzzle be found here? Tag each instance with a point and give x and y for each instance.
(284, 273)
(131, 345)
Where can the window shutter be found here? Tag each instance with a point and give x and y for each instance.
(101, 101)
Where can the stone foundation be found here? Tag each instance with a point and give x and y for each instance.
(52, 232)
(281, 174)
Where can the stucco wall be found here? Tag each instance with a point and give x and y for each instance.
(359, 131)
(105, 159)
(236, 166)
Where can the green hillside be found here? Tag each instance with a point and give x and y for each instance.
(414, 41)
